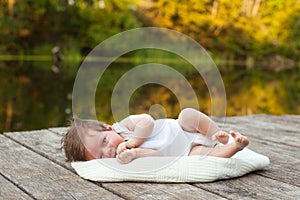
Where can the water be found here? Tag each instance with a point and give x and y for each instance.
(34, 97)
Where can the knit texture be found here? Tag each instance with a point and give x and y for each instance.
(171, 169)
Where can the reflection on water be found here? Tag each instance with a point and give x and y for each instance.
(33, 97)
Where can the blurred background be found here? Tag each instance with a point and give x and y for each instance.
(255, 44)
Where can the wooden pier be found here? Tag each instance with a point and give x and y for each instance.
(32, 166)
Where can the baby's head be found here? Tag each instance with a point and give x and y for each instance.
(90, 139)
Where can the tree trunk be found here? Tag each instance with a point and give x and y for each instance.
(215, 6)
(256, 7)
(9, 114)
(11, 7)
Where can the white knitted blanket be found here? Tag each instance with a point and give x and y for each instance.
(168, 169)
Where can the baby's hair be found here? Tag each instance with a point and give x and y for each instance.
(72, 141)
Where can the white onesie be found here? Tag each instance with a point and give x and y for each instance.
(168, 137)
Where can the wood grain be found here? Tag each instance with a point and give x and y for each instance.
(10, 191)
(34, 166)
(42, 178)
(47, 143)
(252, 186)
(160, 191)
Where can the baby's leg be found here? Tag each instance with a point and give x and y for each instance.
(194, 121)
(225, 151)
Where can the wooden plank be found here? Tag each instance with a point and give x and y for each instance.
(284, 143)
(48, 143)
(59, 130)
(265, 147)
(10, 191)
(289, 123)
(43, 142)
(42, 178)
(292, 122)
(283, 167)
(278, 169)
(279, 153)
(160, 191)
(284, 156)
(276, 137)
(283, 179)
(267, 130)
(252, 187)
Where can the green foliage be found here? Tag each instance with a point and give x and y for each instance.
(247, 27)
(28, 23)
(232, 27)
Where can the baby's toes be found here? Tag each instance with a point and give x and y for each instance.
(241, 139)
(245, 140)
(224, 135)
(233, 134)
(238, 139)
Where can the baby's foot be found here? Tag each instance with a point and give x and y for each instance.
(241, 141)
(221, 136)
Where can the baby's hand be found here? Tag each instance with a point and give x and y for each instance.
(127, 156)
(124, 146)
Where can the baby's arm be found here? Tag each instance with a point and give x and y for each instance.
(142, 127)
(131, 154)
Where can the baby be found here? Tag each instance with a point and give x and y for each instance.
(136, 136)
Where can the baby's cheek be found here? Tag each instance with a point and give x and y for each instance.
(88, 155)
(116, 141)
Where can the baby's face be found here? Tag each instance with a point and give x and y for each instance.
(101, 144)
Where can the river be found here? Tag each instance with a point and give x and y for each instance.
(34, 97)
